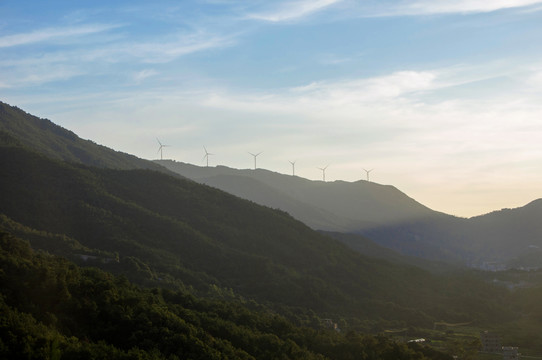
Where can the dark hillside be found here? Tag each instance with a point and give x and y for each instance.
(52, 309)
(53, 141)
(165, 229)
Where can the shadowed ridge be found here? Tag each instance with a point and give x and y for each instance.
(55, 142)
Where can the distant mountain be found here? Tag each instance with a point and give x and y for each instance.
(368, 247)
(498, 240)
(55, 142)
(385, 215)
(514, 232)
(334, 206)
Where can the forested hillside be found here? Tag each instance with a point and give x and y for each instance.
(45, 137)
(52, 309)
(173, 231)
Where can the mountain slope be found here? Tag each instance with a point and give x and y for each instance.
(384, 215)
(346, 206)
(53, 141)
(509, 237)
(512, 232)
(167, 230)
(52, 309)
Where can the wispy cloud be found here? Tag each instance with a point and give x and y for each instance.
(293, 10)
(51, 34)
(371, 89)
(183, 44)
(332, 59)
(433, 7)
(144, 74)
(465, 6)
(101, 57)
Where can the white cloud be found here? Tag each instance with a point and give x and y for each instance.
(100, 58)
(343, 98)
(144, 74)
(371, 89)
(51, 34)
(168, 50)
(294, 10)
(429, 7)
(465, 6)
(332, 59)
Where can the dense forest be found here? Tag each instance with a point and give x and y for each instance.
(53, 309)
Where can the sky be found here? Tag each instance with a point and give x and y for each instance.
(441, 98)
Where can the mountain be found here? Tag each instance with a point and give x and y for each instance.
(385, 215)
(380, 212)
(510, 233)
(367, 247)
(495, 241)
(53, 309)
(161, 230)
(334, 206)
(161, 227)
(51, 140)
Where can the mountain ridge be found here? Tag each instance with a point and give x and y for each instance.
(350, 203)
(385, 215)
(56, 142)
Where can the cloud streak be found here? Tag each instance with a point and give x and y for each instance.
(52, 34)
(293, 10)
(436, 7)
(465, 6)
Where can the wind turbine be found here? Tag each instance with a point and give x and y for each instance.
(255, 156)
(324, 172)
(161, 147)
(293, 166)
(368, 171)
(206, 156)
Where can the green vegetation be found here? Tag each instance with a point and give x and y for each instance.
(45, 137)
(52, 309)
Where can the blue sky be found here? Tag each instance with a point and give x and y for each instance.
(442, 98)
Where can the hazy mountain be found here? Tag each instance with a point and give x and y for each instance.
(508, 237)
(514, 232)
(55, 142)
(385, 215)
(334, 206)
(381, 212)
(368, 247)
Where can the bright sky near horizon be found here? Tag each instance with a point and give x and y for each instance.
(442, 98)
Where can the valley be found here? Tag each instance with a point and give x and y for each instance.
(189, 253)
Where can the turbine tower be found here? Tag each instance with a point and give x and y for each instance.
(255, 156)
(324, 172)
(368, 171)
(206, 156)
(161, 147)
(293, 166)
